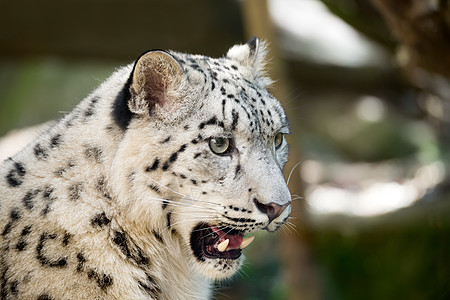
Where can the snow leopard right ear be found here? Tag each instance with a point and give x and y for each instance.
(252, 54)
(155, 78)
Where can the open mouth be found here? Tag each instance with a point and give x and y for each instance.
(211, 242)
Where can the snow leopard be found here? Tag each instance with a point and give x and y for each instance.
(151, 186)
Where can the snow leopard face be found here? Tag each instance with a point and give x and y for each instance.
(200, 164)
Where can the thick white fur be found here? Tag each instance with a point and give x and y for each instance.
(67, 229)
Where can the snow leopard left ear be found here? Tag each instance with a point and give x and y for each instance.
(253, 55)
(155, 78)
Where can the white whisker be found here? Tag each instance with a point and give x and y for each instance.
(178, 193)
(290, 173)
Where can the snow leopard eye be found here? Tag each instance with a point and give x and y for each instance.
(219, 145)
(278, 140)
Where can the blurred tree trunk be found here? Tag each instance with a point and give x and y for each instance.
(422, 28)
(299, 265)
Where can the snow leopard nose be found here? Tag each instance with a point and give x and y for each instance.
(272, 209)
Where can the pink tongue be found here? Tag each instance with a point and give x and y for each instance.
(235, 240)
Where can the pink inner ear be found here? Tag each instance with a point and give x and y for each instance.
(155, 90)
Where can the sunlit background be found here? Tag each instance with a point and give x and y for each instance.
(368, 101)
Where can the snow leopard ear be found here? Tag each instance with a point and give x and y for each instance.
(253, 55)
(155, 77)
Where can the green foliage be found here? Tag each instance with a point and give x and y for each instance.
(401, 256)
(35, 91)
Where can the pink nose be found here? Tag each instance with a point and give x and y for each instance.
(272, 209)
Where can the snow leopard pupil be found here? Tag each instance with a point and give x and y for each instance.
(219, 145)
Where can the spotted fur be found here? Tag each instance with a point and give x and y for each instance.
(109, 202)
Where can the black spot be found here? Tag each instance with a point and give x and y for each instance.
(102, 188)
(26, 230)
(186, 127)
(81, 260)
(103, 280)
(46, 209)
(213, 120)
(166, 140)
(40, 152)
(154, 188)
(44, 297)
(60, 171)
(213, 86)
(100, 220)
(197, 155)
(150, 287)
(169, 219)
(74, 191)
(48, 193)
(13, 287)
(44, 260)
(90, 111)
(66, 239)
(14, 216)
(93, 153)
(165, 204)
(154, 166)
(48, 196)
(173, 157)
(235, 116)
(182, 149)
(158, 236)
(21, 244)
(16, 174)
(131, 251)
(55, 141)
(194, 182)
(29, 197)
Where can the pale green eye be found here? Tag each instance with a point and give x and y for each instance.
(219, 145)
(278, 140)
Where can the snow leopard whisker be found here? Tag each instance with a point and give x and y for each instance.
(296, 197)
(290, 173)
(178, 193)
(292, 227)
(188, 220)
(182, 204)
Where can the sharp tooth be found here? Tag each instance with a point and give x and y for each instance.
(223, 246)
(246, 242)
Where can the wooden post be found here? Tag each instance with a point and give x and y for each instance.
(299, 265)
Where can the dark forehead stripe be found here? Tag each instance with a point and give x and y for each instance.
(212, 121)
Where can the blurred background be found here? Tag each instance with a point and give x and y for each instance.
(366, 87)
